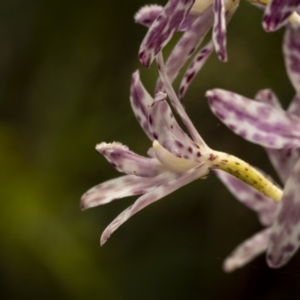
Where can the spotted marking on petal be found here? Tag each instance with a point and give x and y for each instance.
(195, 66)
(277, 13)
(260, 123)
(284, 239)
(291, 51)
(122, 187)
(247, 251)
(250, 197)
(154, 195)
(219, 29)
(169, 133)
(187, 44)
(128, 162)
(147, 14)
(141, 102)
(283, 160)
(163, 28)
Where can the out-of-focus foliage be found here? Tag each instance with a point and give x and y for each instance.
(65, 73)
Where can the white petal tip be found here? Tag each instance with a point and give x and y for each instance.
(109, 147)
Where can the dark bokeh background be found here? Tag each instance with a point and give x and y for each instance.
(65, 71)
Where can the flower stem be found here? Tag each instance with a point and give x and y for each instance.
(243, 171)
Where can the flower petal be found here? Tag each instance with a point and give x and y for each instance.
(128, 162)
(283, 160)
(285, 234)
(250, 197)
(148, 14)
(267, 96)
(122, 187)
(176, 102)
(163, 28)
(195, 66)
(187, 44)
(277, 13)
(169, 134)
(141, 102)
(259, 123)
(154, 195)
(291, 51)
(247, 251)
(219, 29)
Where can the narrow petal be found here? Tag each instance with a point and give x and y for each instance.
(141, 102)
(291, 51)
(250, 197)
(195, 66)
(277, 13)
(128, 162)
(169, 134)
(256, 122)
(219, 29)
(122, 187)
(154, 195)
(187, 44)
(163, 28)
(176, 102)
(247, 251)
(283, 160)
(148, 14)
(285, 234)
(267, 96)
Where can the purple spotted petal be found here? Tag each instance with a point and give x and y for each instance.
(294, 107)
(283, 160)
(285, 235)
(176, 102)
(169, 134)
(219, 29)
(148, 14)
(122, 187)
(188, 43)
(128, 162)
(163, 28)
(257, 122)
(195, 66)
(154, 195)
(250, 197)
(141, 102)
(291, 51)
(247, 251)
(277, 13)
(267, 96)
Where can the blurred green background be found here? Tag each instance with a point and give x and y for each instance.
(65, 72)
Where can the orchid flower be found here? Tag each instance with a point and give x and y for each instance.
(195, 18)
(267, 124)
(175, 158)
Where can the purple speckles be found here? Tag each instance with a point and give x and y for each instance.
(179, 144)
(150, 120)
(277, 13)
(155, 135)
(190, 149)
(189, 77)
(162, 29)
